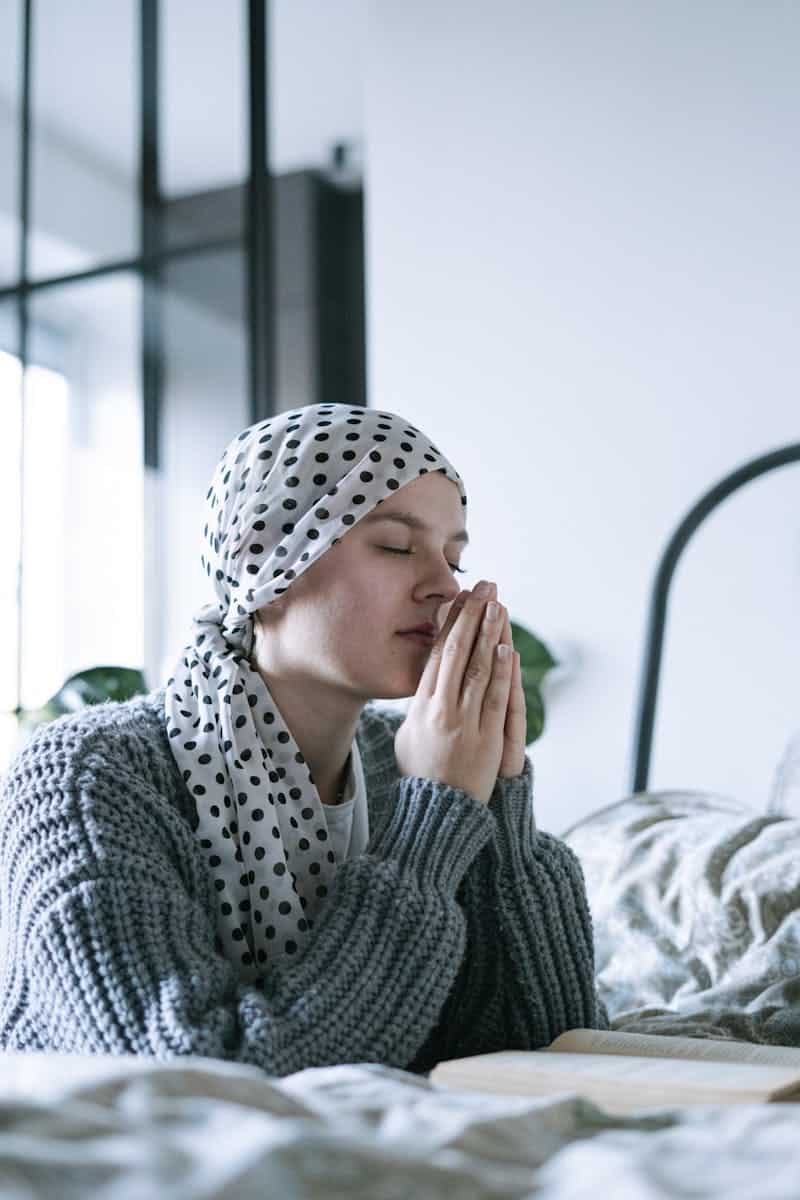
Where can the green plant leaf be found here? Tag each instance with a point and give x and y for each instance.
(535, 660)
(534, 656)
(534, 711)
(92, 686)
(96, 685)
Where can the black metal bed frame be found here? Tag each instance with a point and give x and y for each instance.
(654, 637)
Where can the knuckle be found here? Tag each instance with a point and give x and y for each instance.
(439, 718)
(476, 670)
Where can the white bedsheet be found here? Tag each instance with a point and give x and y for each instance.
(125, 1128)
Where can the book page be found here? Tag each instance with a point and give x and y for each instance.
(657, 1079)
(649, 1045)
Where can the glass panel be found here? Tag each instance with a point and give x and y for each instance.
(10, 455)
(205, 405)
(315, 148)
(10, 47)
(85, 152)
(83, 517)
(317, 56)
(203, 90)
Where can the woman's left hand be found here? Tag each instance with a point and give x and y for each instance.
(513, 761)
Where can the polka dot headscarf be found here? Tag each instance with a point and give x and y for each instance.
(285, 491)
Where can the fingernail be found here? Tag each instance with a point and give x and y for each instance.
(482, 589)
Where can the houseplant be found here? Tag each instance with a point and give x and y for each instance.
(92, 686)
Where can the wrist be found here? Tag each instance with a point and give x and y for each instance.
(512, 805)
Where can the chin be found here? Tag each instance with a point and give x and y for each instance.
(394, 694)
(400, 687)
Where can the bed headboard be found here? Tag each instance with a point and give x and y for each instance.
(654, 637)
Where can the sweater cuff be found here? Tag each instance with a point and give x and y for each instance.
(511, 804)
(433, 830)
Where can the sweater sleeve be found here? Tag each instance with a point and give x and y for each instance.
(109, 945)
(543, 919)
(527, 974)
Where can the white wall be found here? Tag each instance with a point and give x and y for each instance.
(583, 273)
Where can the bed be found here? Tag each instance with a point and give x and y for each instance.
(200, 1128)
(696, 904)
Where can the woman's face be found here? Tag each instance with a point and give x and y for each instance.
(339, 624)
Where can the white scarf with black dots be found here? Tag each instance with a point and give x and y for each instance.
(285, 491)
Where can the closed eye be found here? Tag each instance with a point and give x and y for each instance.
(453, 566)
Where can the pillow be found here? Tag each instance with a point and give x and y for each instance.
(696, 907)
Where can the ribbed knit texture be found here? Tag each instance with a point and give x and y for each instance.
(460, 930)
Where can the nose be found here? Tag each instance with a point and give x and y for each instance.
(449, 589)
(439, 581)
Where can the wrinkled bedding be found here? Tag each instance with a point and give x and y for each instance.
(695, 902)
(80, 1128)
(696, 906)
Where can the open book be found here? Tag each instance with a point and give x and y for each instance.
(626, 1071)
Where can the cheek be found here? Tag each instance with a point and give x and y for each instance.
(367, 601)
(354, 616)
(365, 632)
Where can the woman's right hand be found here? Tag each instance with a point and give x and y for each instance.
(453, 730)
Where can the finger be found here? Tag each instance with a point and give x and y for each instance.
(517, 718)
(495, 701)
(427, 683)
(458, 647)
(516, 726)
(478, 673)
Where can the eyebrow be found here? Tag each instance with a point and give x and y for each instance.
(415, 522)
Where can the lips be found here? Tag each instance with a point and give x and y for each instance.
(428, 630)
(422, 639)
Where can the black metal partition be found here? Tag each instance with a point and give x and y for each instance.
(654, 637)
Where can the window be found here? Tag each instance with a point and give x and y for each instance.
(144, 198)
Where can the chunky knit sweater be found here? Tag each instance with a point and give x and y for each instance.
(460, 930)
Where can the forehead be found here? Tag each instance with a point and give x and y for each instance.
(429, 504)
(432, 493)
(412, 521)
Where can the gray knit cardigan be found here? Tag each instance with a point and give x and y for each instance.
(460, 930)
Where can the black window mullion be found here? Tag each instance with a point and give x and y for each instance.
(258, 238)
(150, 234)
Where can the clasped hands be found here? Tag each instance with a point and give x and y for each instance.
(465, 725)
(515, 729)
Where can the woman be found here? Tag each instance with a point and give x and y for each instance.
(259, 863)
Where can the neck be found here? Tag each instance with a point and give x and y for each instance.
(337, 795)
(323, 722)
